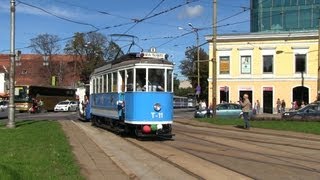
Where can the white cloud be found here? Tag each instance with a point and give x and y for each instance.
(191, 12)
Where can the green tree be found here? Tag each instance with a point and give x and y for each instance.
(189, 69)
(91, 50)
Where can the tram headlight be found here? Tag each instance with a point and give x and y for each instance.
(157, 107)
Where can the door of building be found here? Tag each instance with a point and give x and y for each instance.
(267, 101)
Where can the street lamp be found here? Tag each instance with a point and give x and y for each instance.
(195, 30)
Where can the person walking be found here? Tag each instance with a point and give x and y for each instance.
(246, 106)
(283, 106)
(257, 107)
(278, 105)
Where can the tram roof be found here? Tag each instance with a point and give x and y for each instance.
(133, 59)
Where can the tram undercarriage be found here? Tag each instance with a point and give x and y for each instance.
(140, 130)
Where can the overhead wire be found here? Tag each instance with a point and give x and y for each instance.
(229, 24)
(57, 16)
(95, 10)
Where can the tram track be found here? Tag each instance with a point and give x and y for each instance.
(253, 140)
(133, 142)
(267, 132)
(280, 152)
(234, 153)
(272, 156)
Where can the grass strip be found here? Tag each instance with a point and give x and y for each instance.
(36, 150)
(295, 126)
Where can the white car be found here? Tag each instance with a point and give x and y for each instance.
(66, 106)
(4, 109)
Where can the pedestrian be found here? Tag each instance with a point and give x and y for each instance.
(295, 105)
(283, 106)
(303, 104)
(246, 106)
(278, 105)
(257, 106)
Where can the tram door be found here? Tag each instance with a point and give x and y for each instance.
(267, 101)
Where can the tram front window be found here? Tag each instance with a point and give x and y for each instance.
(140, 79)
(156, 80)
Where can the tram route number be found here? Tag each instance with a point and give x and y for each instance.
(156, 114)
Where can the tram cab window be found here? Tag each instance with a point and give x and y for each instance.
(169, 80)
(156, 80)
(140, 79)
(129, 80)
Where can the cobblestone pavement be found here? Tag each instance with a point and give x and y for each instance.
(94, 163)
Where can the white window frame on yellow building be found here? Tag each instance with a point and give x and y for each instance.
(285, 82)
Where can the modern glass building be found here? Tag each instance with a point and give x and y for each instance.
(284, 15)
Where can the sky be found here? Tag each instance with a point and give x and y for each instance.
(160, 24)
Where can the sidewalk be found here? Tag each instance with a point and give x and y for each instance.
(94, 163)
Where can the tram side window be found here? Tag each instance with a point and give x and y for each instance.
(94, 85)
(156, 80)
(129, 80)
(122, 81)
(104, 83)
(169, 80)
(100, 84)
(109, 82)
(140, 79)
(114, 82)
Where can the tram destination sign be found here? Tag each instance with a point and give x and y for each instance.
(154, 55)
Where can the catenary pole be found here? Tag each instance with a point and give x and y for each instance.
(214, 60)
(318, 84)
(11, 115)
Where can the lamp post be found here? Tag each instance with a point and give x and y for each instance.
(195, 30)
(11, 115)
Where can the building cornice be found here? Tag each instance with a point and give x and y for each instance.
(265, 36)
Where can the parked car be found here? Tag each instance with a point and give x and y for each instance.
(223, 110)
(310, 111)
(66, 106)
(4, 109)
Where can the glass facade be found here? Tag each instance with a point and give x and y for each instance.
(284, 15)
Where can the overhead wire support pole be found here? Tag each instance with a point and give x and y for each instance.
(214, 60)
(11, 115)
(318, 83)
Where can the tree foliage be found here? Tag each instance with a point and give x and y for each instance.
(189, 67)
(91, 50)
(47, 45)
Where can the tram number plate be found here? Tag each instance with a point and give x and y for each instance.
(156, 115)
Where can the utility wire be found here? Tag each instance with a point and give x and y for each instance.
(60, 17)
(95, 10)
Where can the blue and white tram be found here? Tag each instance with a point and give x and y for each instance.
(134, 94)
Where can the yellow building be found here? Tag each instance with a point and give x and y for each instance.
(266, 66)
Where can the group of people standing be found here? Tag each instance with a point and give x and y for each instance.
(281, 105)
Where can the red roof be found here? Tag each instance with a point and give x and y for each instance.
(31, 70)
